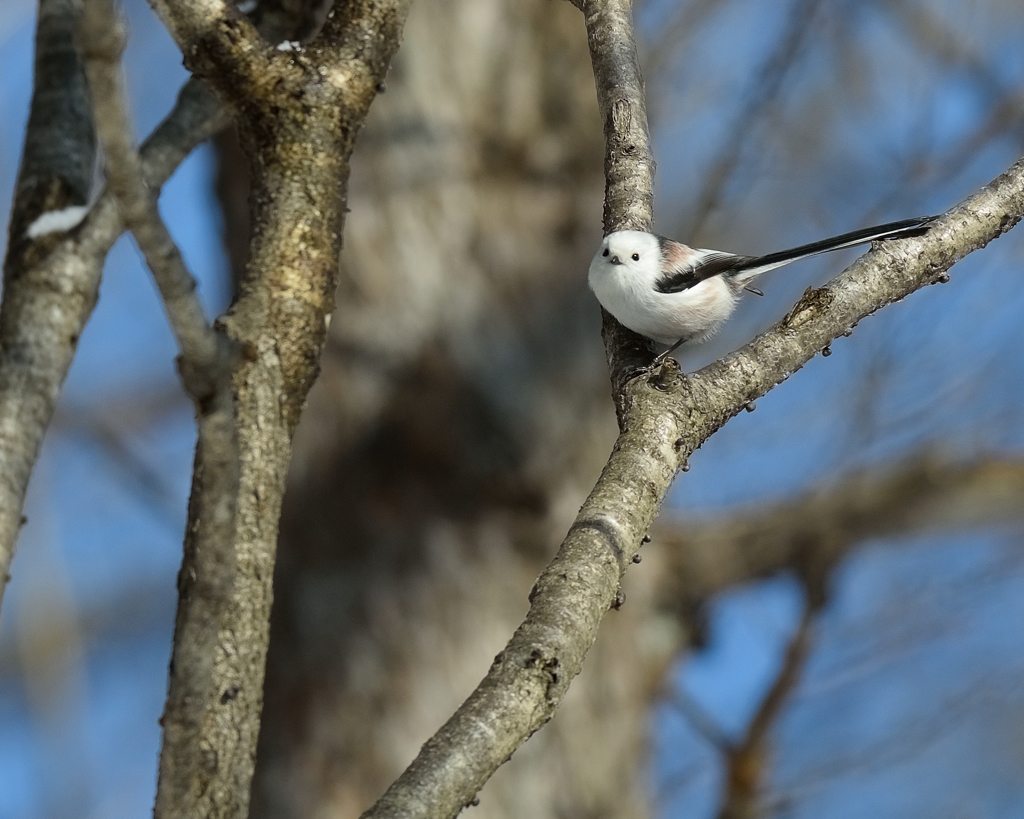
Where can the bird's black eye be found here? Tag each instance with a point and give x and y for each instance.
(605, 252)
(636, 257)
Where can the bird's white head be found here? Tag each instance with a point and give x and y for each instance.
(627, 256)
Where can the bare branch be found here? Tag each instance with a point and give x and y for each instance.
(204, 363)
(47, 302)
(216, 40)
(220, 45)
(700, 720)
(60, 145)
(810, 534)
(55, 174)
(298, 126)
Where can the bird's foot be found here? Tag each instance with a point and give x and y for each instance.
(661, 373)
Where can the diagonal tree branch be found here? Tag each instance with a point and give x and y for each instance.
(60, 146)
(662, 421)
(203, 353)
(204, 363)
(48, 298)
(55, 176)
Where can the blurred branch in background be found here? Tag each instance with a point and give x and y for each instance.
(926, 492)
(748, 761)
(756, 105)
(810, 536)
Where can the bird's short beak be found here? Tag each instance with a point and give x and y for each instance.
(616, 260)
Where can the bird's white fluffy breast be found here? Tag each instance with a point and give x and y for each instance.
(629, 292)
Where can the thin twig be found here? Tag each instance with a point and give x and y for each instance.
(765, 92)
(700, 719)
(747, 762)
(205, 365)
(203, 361)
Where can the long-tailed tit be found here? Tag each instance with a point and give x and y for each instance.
(673, 293)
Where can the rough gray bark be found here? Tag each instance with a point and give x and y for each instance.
(204, 362)
(663, 419)
(298, 113)
(55, 173)
(60, 146)
(50, 283)
(48, 298)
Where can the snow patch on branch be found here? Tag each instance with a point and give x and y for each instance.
(57, 221)
(289, 45)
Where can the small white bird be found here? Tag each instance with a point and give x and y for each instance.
(673, 293)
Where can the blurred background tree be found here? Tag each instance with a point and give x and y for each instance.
(462, 413)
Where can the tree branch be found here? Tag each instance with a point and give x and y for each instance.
(204, 363)
(662, 422)
(60, 145)
(628, 165)
(55, 176)
(812, 533)
(48, 300)
(298, 118)
(213, 36)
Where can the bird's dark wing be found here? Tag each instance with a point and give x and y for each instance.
(697, 266)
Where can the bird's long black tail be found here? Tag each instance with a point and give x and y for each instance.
(749, 269)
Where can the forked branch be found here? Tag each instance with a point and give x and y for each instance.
(205, 364)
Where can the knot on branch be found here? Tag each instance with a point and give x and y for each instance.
(207, 375)
(811, 304)
(547, 664)
(622, 117)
